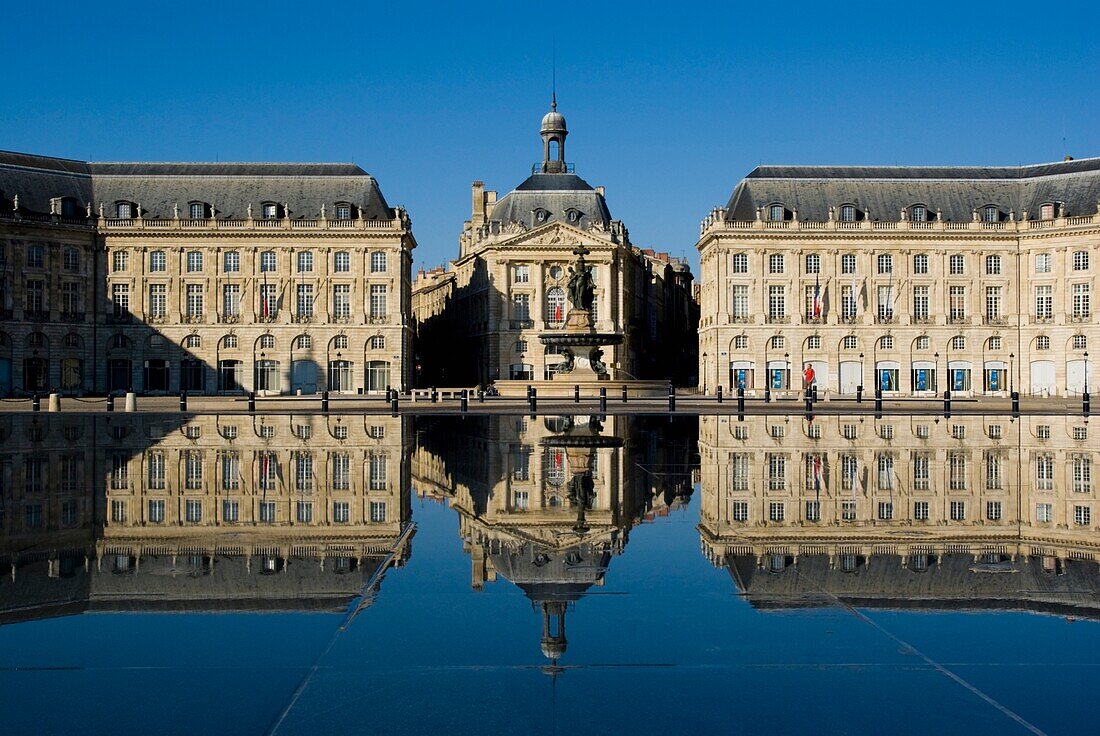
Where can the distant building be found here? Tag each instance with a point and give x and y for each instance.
(479, 320)
(208, 277)
(912, 280)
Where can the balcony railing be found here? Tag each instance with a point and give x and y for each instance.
(923, 319)
(301, 319)
(886, 318)
(340, 319)
(521, 324)
(778, 319)
(742, 319)
(120, 318)
(958, 319)
(36, 315)
(268, 318)
(73, 316)
(194, 319)
(1081, 317)
(998, 321)
(378, 319)
(229, 319)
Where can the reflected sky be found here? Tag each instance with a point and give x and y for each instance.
(549, 575)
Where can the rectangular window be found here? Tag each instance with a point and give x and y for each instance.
(813, 263)
(268, 261)
(920, 510)
(379, 301)
(849, 467)
(920, 264)
(740, 511)
(777, 511)
(156, 511)
(269, 301)
(957, 466)
(341, 262)
(740, 302)
(848, 263)
(848, 510)
(740, 468)
(993, 510)
(740, 263)
(1082, 474)
(194, 261)
(885, 302)
(231, 300)
(885, 264)
(956, 265)
(194, 300)
(193, 470)
(992, 265)
(305, 300)
(120, 299)
(777, 302)
(158, 300)
(158, 261)
(1043, 262)
(377, 262)
(303, 471)
(957, 303)
(777, 472)
(341, 301)
(1044, 472)
(521, 274)
(1082, 515)
(341, 512)
(193, 511)
(1081, 260)
(920, 303)
(521, 307)
(922, 472)
(341, 471)
(304, 512)
(378, 511)
(118, 512)
(1044, 512)
(305, 261)
(71, 259)
(120, 261)
(885, 471)
(848, 302)
(885, 510)
(231, 511)
(232, 261)
(267, 512)
(776, 263)
(958, 510)
(813, 511)
(993, 310)
(1082, 304)
(378, 471)
(1044, 302)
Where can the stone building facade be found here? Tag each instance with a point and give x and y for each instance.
(909, 509)
(479, 320)
(911, 280)
(210, 278)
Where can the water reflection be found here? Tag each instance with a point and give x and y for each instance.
(547, 503)
(230, 513)
(912, 512)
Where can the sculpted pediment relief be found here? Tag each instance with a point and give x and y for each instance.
(551, 235)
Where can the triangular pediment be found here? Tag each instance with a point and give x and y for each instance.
(554, 235)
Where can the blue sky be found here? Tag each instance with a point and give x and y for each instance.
(668, 105)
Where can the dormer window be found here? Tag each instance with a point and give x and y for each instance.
(124, 210)
(541, 215)
(1046, 211)
(343, 211)
(777, 212)
(991, 213)
(918, 213)
(270, 211)
(848, 213)
(197, 210)
(574, 216)
(70, 207)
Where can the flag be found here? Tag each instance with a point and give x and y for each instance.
(817, 298)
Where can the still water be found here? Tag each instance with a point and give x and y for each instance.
(573, 575)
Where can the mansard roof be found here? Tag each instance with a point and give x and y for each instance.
(556, 194)
(158, 187)
(955, 191)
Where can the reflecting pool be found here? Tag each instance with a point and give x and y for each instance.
(311, 573)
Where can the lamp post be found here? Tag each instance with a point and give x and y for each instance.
(936, 372)
(1086, 371)
(1011, 371)
(787, 369)
(704, 374)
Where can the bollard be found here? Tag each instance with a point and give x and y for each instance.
(324, 401)
(719, 394)
(1086, 404)
(624, 394)
(393, 404)
(740, 399)
(183, 401)
(878, 400)
(859, 394)
(529, 390)
(465, 401)
(481, 396)
(131, 401)
(603, 399)
(252, 401)
(36, 403)
(809, 402)
(533, 399)
(767, 394)
(1015, 403)
(947, 402)
(110, 402)
(576, 394)
(435, 395)
(671, 397)
(815, 393)
(55, 402)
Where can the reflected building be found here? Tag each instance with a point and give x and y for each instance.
(903, 512)
(547, 503)
(214, 513)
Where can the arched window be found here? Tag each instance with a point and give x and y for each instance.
(555, 306)
(340, 342)
(197, 210)
(377, 342)
(124, 210)
(267, 342)
(777, 212)
(378, 262)
(848, 213)
(991, 213)
(269, 210)
(343, 211)
(304, 342)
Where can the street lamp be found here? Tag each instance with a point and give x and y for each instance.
(1011, 371)
(787, 370)
(704, 374)
(936, 372)
(1086, 371)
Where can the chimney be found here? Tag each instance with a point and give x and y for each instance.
(1067, 157)
(478, 197)
(599, 190)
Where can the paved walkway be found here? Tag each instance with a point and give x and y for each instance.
(686, 404)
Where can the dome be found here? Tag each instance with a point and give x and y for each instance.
(553, 122)
(553, 649)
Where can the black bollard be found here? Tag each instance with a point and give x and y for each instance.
(809, 402)
(464, 402)
(110, 402)
(183, 401)
(1086, 404)
(324, 401)
(624, 394)
(740, 399)
(671, 397)
(603, 399)
(1015, 403)
(719, 392)
(529, 390)
(947, 402)
(878, 400)
(393, 403)
(576, 394)
(859, 394)
(767, 394)
(533, 399)
(36, 402)
(481, 396)
(252, 401)
(815, 393)
(435, 395)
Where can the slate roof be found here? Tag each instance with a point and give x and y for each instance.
(555, 193)
(158, 187)
(956, 191)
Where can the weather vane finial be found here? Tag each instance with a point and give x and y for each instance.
(554, 73)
